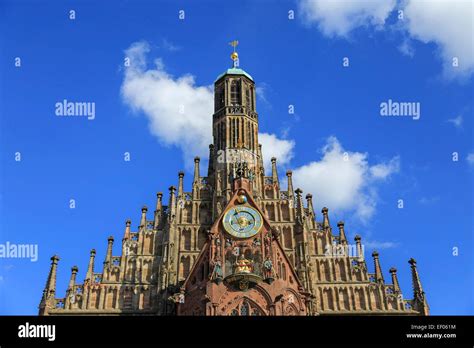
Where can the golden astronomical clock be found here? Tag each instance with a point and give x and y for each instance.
(242, 222)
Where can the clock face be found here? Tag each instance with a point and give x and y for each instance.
(242, 222)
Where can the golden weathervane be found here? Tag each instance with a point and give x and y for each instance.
(234, 56)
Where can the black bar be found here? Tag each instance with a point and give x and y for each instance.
(290, 331)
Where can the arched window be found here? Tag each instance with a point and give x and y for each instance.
(202, 237)
(245, 308)
(186, 240)
(238, 131)
(251, 96)
(234, 132)
(219, 99)
(235, 93)
(247, 98)
(222, 135)
(287, 238)
(251, 137)
(185, 267)
(219, 135)
(248, 140)
(127, 298)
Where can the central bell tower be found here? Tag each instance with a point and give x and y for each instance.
(235, 132)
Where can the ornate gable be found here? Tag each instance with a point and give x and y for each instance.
(242, 269)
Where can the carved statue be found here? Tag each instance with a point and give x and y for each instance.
(251, 175)
(219, 208)
(217, 242)
(216, 271)
(245, 170)
(268, 271)
(218, 182)
(212, 249)
(268, 243)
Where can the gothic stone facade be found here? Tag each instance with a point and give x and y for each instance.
(184, 262)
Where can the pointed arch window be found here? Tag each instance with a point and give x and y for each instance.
(246, 308)
(251, 96)
(235, 96)
(186, 240)
(248, 102)
(185, 267)
(219, 98)
(252, 134)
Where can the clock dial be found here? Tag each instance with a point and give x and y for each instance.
(242, 222)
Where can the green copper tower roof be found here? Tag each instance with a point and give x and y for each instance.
(234, 71)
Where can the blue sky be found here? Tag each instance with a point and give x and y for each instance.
(294, 62)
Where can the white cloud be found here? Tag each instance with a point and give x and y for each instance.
(383, 170)
(449, 24)
(261, 91)
(344, 181)
(456, 121)
(272, 146)
(470, 158)
(169, 46)
(180, 112)
(406, 47)
(340, 17)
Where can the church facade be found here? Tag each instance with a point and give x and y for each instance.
(238, 243)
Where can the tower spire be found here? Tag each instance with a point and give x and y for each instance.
(418, 293)
(210, 168)
(49, 292)
(299, 206)
(309, 203)
(396, 285)
(289, 175)
(70, 292)
(143, 219)
(180, 184)
(274, 170)
(172, 204)
(158, 209)
(196, 169)
(360, 251)
(378, 269)
(325, 217)
(90, 268)
(127, 229)
(312, 215)
(110, 243)
(72, 280)
(342, 233)
(51, 283)
(260, 158)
